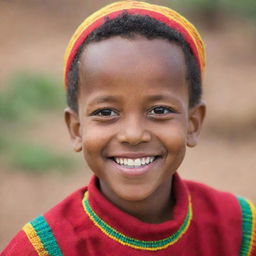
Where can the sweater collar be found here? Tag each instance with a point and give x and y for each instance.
(132, 232)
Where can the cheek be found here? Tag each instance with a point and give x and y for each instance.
(174, 139)
(95, 139)
(173, 136)
(92, 148)
(178, 139)
(176, 147)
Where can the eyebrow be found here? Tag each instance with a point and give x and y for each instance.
(159, 97)
(115, 99)
(103, 99)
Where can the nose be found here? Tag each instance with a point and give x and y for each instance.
(133, 132)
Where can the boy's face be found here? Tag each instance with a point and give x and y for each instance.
(134, 121)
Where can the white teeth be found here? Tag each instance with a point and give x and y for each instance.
(130, 162)
(137, 161)
(133, 163)
(149, 160)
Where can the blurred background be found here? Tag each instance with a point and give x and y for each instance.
(37, 165)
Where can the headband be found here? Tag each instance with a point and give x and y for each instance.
(163, 14)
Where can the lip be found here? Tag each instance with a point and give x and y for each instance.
(134, 172)
(134, 155)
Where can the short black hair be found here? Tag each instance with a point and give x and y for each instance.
(129, 26)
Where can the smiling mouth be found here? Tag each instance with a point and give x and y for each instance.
(134, 162)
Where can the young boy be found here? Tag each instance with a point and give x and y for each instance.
(133, 76)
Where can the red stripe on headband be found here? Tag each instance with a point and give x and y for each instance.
(157, 16)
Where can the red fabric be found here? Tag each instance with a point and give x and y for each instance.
(215, 229)
(131, 226)
(19, 246)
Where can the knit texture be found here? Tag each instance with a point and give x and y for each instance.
(135, 243)
(41, 237)
(248, 247)
(204, 222)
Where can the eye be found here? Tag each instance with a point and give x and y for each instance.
(160, 110)
(105, 112)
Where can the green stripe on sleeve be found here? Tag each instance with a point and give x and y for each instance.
(247, 222)
(46, 236)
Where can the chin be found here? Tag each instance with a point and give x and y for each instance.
(134, 194)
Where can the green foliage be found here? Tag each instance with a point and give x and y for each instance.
(196, 3)
(3, 143)
(35, 158)
(28, 94)
(28, 157)
(246, 8)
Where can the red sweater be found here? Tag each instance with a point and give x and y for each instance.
(205, 222)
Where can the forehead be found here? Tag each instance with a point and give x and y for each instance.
(131, 62)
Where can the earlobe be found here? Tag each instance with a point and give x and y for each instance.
(196, 118)
(73, 125)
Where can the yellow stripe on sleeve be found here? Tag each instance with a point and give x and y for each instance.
(34, 240)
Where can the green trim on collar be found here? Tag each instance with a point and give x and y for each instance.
(132, 242)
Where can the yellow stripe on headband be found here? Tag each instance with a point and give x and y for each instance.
(168, 13)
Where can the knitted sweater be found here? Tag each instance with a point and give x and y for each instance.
(205, 222)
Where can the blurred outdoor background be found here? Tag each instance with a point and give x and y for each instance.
(37, 165)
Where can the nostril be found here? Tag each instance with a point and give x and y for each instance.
(134, 135)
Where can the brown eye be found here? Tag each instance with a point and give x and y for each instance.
(160, 110)
(105, 112)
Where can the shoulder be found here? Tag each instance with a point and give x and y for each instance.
(235, 216)
(248, 210)
(214, 209)
(67, 208)
(211, 197)
(19, 246)
(42, 235)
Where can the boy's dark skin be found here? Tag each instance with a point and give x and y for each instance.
(142, 86)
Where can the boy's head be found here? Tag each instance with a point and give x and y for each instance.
(128, 23)
(133, 79)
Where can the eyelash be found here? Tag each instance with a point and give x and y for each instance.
(164, 108)
(100, 111)
(170, 110)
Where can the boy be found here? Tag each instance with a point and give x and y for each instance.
(133, 77)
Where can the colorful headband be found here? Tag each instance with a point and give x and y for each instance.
(168, 16)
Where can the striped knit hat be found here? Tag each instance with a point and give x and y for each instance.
(163, 14)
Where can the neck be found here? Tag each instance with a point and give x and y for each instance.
(156, 208)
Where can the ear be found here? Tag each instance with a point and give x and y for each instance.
(73, 125)
(196, 118)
